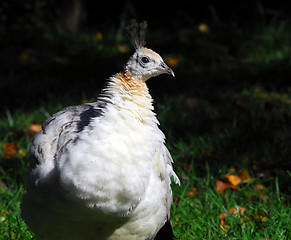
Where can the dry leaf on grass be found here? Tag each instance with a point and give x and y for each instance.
(10, 150)
(221, 186)
(227, 216)
(262, 216)
(233, 179)
(236, 210)
(231, 182)
(192, 191)
(233, 211)
(35, 128)
(259, 189)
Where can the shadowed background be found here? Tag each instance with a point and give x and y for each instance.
(229, 106)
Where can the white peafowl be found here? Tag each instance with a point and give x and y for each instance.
(101, 170)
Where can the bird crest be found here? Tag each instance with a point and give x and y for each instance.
(136, 33)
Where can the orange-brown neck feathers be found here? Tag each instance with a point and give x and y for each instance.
(130, 85)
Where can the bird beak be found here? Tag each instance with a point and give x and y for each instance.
(165, 69)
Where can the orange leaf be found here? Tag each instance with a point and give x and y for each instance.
(263, 196)
(223, 225)
(233, 179)
(35, 128)
(233, 210)
(191, 192)
(259, 188)
(262, 218)
(10, 149)
(221, 186)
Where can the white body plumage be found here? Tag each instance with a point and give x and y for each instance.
(102, 170)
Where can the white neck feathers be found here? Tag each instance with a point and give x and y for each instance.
(129, 95)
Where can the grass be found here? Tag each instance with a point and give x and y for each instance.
(200, 160)
(228, 111)
(197, 215)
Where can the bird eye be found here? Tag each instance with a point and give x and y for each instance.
(145, 59)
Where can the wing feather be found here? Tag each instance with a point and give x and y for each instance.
(58, 132)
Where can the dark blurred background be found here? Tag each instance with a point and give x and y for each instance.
(70, 47)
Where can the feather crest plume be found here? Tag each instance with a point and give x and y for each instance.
(136, 33)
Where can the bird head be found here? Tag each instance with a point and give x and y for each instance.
(145, 63)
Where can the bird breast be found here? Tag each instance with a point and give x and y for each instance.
(109, 166)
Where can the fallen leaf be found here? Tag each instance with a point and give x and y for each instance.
(259, 188)
(263, 196)
(262, 217)
(236, 210)
(10, 150)
(222, 215)
(233, 179)
(35, 128)
(223, 225)
(191, 192)
(221, 186)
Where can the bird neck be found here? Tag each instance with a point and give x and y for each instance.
(132, 86)
(129, 94)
